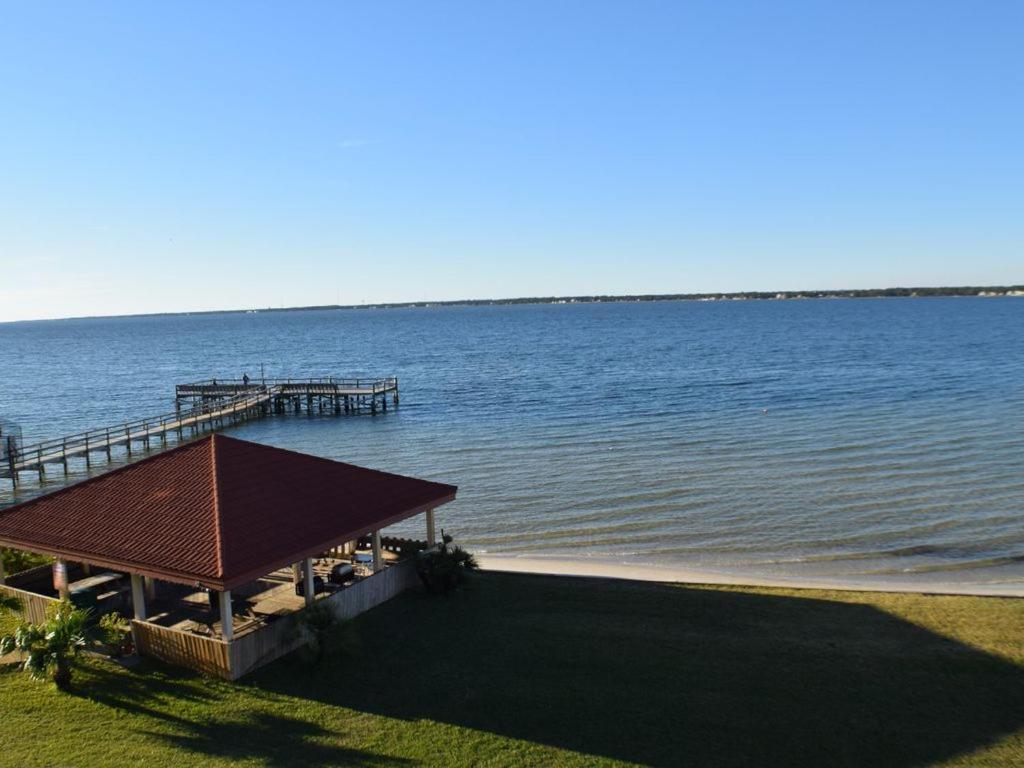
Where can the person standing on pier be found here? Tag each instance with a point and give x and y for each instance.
(245, 379)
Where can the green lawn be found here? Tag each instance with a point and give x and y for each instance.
(523, 670)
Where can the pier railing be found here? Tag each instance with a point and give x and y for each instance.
(225, 387)
(212, 400)
(140, 429)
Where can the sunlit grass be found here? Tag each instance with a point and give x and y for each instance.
(520, 670)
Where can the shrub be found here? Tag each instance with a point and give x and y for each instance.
(116, 634)
(52, 647)
(445, 567)
(315, 625)
(16, 560)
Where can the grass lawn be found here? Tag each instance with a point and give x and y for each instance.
(530, 670)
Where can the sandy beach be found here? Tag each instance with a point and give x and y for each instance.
(611, 569)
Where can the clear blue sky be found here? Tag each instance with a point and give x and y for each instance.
(221, 155)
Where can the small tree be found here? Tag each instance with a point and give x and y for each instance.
(315, 624)
(52, 647)
(445, 567)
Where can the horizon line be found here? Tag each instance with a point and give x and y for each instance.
(844, 293)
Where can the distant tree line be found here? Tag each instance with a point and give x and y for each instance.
(855, 293)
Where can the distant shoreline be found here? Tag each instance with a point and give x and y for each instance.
(993, 291)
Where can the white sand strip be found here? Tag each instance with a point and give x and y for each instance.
(643, 572)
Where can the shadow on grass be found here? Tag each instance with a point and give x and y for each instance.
(158, 691)
(139, 691)
(665, 675)
(275, 741)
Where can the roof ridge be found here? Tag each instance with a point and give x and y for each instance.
(215, 489)
(325, 459)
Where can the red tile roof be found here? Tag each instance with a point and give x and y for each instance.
(219, 512)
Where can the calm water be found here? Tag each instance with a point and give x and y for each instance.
(792, 438)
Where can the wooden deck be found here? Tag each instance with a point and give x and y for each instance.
(202, 407)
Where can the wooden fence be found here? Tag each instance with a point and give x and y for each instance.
(33, 605)
(204, 654)
(255, 649)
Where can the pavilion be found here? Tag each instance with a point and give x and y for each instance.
(217, 513)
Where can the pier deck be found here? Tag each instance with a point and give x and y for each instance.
(204, 406)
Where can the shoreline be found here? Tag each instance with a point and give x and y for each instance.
(612, 569)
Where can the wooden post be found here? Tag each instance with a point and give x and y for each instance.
(60, 579)
(378, 558)
(307, 577)
(138, 597)
(64, 455)
(227, 622)
(11, 450)
(431, 531)
(88, 461)
(128, 440)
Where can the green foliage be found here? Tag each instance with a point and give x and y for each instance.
(51, 648)
(9, 603)
(316, 624)
(15, 560)
(444, 568)
(116, 634)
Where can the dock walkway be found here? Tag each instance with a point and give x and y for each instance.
(204, 406)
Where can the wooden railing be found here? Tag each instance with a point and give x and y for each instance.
(33, 606)
(325, 384)
(208, 655)
(140, 429)
(256, 649)
(248, 652)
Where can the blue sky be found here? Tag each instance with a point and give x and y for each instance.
(220, 155)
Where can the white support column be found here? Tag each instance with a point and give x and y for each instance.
(138, 597)
(378, 558)
(227, 626)
(431, 530)
(307, 577)
(150, 585)
(60, 579)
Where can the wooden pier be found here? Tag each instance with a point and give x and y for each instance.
(200, 407)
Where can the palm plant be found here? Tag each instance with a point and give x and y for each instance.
(316, 624)
(51, 648)
(446, 566)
